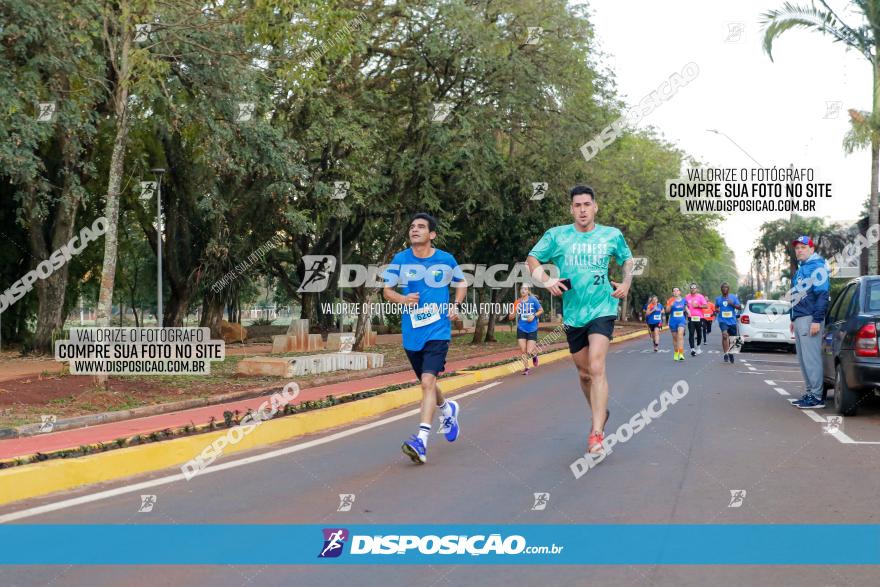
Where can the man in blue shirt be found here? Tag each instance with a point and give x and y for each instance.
(811, 288)
(424, 275)
(726, 307)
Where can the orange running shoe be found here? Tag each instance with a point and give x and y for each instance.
(594, 444)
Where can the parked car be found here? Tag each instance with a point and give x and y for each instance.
(850, 353)
(766, 321)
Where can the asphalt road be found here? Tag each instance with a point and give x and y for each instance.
(734, 430)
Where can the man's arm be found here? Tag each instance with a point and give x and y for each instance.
(540, 276)
(622, 288)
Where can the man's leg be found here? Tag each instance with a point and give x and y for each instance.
(432, 397)
(692, 327)
(812, 351)
(597, 352)
(800, 352)
(582, 362)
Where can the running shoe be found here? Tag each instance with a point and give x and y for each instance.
(655, 348)
(797, 401)
(725, 357)
(693, 352)
(594, 443)
(449, 424)
(527, 372)
(811, 402)
(415, 449)
(699, 350)
(535, 361)
(730, 358)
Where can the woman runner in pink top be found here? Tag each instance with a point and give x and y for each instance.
(696, 302)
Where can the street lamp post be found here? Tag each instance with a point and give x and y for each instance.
(159, 172)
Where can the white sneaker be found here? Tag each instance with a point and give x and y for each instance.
(699, 351)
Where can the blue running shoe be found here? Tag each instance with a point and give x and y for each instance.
(810, 403)
(449, 424)
(415, 449)
(730, 358)
(797, 402)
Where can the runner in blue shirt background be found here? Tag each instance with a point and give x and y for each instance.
(726, 307)
(527, 308)
(654, 319)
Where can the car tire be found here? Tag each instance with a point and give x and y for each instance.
(846, 401)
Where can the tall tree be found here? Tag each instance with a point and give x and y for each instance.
(864, 38)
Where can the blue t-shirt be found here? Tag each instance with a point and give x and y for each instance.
(676, 311)
(725, 309)
(655, 316)
(430, 278)
(524, 309)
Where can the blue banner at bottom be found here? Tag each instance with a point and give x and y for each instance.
(635, 544)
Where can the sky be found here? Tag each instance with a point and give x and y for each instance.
(777, 111)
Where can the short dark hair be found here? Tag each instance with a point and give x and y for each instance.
(432, 222)
(582, 189)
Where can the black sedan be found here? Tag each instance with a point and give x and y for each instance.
(850, 351)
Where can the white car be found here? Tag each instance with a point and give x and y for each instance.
(766, 321)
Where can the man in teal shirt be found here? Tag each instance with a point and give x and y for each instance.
(581, 252)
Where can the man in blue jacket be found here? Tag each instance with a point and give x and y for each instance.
(811, 288)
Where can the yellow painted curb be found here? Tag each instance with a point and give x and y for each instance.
(37, 479)
(56, 475)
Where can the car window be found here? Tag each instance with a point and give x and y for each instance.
(769, 307)
(873, 303)
(842, 306)
(832, 308)
(854, 304)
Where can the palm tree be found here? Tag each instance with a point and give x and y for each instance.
(864, 38)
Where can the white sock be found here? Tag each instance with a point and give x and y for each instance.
(424, 431)
(445, 409)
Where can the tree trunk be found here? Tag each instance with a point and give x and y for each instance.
(480, 324)
(212, 314)
(114, 181)
(875, 177)
(50, 291)
(360, 296)
(490, 327)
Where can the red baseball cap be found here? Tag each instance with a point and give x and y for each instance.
(804, 240)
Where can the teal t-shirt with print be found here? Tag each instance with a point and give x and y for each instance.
(583, 257)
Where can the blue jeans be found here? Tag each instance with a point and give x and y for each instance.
(809, 352)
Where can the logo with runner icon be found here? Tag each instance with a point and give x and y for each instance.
(334, 540)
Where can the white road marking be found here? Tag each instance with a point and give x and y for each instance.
(769, 382)
(781, 391)
(814, 416)
(67, 503)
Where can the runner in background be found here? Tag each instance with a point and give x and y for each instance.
(726, 307)
(527, 309)
(696, 303)
(708, 316)
(677, 310)
(654, 319)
